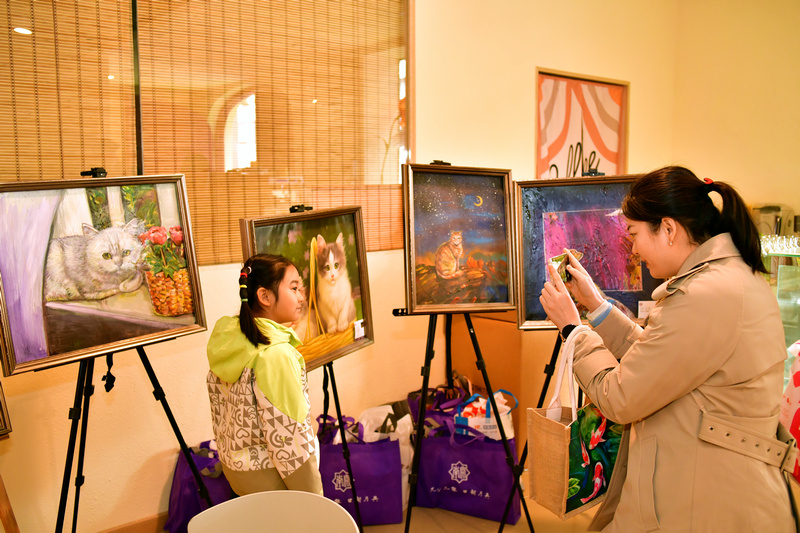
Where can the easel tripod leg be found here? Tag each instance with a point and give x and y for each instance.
(548, 374)
(88, 390)
(420, 429)
(158, 392)
(345, 450)
(74, 415)
(516, 469)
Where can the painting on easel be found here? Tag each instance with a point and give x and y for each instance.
(327, 246)
(582, 214)
(94, 266)
(457, 239)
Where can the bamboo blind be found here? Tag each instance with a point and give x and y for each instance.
(61, 114)
(201, 59)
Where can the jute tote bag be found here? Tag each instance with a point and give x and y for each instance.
(572, 451)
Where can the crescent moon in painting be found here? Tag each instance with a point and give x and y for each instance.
(480, 202)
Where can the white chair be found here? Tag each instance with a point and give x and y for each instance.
(277, 510)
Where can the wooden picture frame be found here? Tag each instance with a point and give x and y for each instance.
(581, 125)
(94, 266)
(301, 237)
(582, 214)
(5, 421)
(459, 217)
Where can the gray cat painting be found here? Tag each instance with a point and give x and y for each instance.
(95, 265)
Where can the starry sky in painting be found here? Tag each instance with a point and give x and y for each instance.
(474, 205)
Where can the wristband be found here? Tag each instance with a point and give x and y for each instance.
(566, 331)
(599, 314)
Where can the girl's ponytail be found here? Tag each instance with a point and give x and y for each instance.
(247, 321)
(261, 270)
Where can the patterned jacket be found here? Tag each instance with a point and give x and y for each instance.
(259, 399)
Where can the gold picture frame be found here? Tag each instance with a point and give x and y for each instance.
(94, 266)
(467, 211)
(300, 237)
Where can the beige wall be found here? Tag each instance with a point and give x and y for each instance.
(736, 96)
(692, 101)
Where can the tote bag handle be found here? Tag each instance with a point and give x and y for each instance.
(567, 355)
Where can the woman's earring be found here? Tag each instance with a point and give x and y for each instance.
(670, 243)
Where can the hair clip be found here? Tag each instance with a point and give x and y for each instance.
(708, 181)
(244, 300)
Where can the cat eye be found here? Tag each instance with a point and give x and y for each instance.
(126, 253)
(336, 265)
(106, 255)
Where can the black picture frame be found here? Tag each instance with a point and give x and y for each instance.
(608, 259)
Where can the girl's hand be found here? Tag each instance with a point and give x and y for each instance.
(557, 302)
(581, 285)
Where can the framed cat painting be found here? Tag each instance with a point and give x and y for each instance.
(94, 266)
(328, 248)
(581, 214)
(458, 245)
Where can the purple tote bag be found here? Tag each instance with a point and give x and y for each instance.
(467, 474)
(184, 499)
(377, 473)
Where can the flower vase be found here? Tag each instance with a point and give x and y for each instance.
(170, 296)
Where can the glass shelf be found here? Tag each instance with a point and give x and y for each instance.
(784, 254)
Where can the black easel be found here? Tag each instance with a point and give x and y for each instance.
(86, 389)
(548, 374)
(549, 369)
(328, 368)
(340, 419)
(516, 468)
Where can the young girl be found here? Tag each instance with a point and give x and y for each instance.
(257, 385)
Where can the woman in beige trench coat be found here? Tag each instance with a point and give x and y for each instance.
(699, 387)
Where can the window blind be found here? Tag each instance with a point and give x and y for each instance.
(66, 90)
(328, 123)
(330, 128)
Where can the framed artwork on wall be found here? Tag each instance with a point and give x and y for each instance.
(581, 125)
(328, 248)
(94, 266)
(458, 248)
(582, 214)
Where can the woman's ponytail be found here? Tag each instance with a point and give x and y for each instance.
(676, 192)
(737, 220)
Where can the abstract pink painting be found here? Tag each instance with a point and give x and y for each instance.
(601, 235)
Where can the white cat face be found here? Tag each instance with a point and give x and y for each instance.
(114, 251)
(331, 270)
(331, 260)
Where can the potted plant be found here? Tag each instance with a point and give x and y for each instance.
(167, 276)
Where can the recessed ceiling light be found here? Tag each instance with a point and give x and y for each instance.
(23, 31)
(314, 101)
(111, 76)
